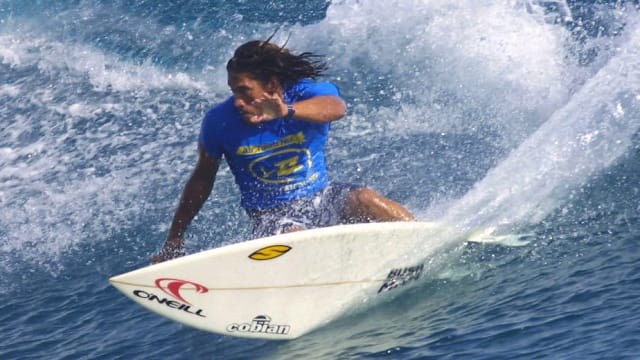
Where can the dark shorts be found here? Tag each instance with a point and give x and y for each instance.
(325, 208)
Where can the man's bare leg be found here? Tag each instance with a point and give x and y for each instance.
(366, 205)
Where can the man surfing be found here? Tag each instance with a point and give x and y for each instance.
(272, 132)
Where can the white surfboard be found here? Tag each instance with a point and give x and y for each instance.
(282, 287)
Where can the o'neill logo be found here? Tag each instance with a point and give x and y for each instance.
(260, 324)
(270, 252)
(174, 288)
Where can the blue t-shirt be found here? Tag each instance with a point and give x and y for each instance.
(274, 163)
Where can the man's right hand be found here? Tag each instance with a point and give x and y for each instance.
(168, 253)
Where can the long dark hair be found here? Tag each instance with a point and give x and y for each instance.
(264, 61)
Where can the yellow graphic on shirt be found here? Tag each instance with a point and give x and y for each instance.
(281, 166)
(289, 166)
(259, 149)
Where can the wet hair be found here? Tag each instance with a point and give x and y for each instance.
(264, 61)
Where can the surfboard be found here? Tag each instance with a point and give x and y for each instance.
(284, 286)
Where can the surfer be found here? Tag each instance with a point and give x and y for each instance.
(272, 132)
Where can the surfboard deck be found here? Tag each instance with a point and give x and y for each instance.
(282, 287)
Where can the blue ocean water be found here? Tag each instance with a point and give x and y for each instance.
(521, 116)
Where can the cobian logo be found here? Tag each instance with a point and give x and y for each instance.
(259, 324)
(270, 252)
(174, 287)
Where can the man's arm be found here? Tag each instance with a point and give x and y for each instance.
(194, 195)
(318, 109)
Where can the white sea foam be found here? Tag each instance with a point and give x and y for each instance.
(448, 66)
(70, 129)
(587, 135)
(103, 70)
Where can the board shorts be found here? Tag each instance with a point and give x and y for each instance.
(325, 208)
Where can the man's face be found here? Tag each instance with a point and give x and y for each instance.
(246, 90)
